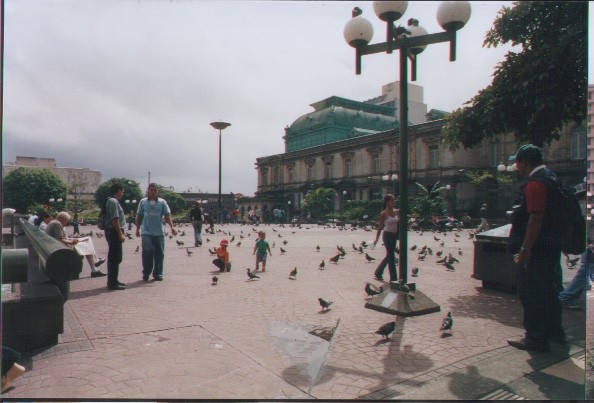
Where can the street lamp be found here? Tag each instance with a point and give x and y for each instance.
(411, 41)
(394, 178)
(220, 126)
(501, 167)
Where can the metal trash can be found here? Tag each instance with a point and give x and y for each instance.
(493, 264)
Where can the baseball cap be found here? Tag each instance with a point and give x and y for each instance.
(224, 242)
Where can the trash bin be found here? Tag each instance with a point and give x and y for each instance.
(493, 264)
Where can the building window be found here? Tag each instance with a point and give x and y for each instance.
(264, 177)
(495, 153)
(328, 170)
(276, 175)
(291, 175)
(309, 173)
(375, 165)
(434, 156)
(579, 141)
(348, 168)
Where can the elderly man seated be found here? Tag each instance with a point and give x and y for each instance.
(84, 246)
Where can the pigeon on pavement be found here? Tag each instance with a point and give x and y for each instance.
(447, 323)
(251, 275)
(293, 273)
(372, 290)
(215, 280)
(335, 258)
(415, 271)
(325, 304)
(369, 258)
(386, 330)
(189, 252)
(322, 265)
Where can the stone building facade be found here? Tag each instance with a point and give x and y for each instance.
(346, 148)
(82, 182)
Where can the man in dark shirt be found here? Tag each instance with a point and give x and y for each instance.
(196, 218)
(538, 254)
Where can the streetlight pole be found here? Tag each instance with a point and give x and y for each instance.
(411, 41)
(220, 126)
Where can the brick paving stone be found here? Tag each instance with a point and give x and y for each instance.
(183, 338)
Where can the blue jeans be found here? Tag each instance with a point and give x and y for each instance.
(153, 254)
(579, 282)
(197, 232)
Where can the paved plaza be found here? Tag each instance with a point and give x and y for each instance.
(184, 338)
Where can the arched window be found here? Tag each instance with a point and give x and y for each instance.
(579, 142)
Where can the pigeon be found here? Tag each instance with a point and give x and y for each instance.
(386, 330)
(251, 275)
(447, 323)
(282, 251)
(572, 262)
(415, 271)
(212, 252)
(189, 252)
(405, 289)
(238, 244)
(137, 249)
(128, 235)
(449, 266)
(439, 253)
(373, 290)
(460, 252)
(369, 258)
(322, 265)
(413, 248)
(285, 242)
(355, 248)
(436, 238)
(232, 239)
(215, 280)
(356, 12)
(293, 273)
(317, 248)
(335, 258)
(324, 304)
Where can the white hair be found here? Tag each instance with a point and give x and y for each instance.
(64, 215)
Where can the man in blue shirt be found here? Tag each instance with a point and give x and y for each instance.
(149, 219)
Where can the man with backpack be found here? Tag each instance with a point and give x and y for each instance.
(535, 243)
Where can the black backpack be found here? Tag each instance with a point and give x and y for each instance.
(570, 224)
(101, 217)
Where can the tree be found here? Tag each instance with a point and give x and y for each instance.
(26, 187)
(536, 90)
(428, 202)
(131, 192)
(175, 202)
(318, 202)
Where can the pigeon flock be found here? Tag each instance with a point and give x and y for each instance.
(434, 256)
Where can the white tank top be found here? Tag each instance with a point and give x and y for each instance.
(391, 224)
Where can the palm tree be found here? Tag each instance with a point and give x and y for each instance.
(428, 202)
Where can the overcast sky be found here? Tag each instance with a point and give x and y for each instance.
(128, 87)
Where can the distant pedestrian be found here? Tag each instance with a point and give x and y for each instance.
(223, 260)
(262, 247)
(152, 210)
(131, 219)
(76, 230)
(388, 222)
(466, 220)
(114, 235)
(537, 253)
(197, 218)
(484, 226)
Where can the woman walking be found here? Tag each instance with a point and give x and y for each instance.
(389, 223)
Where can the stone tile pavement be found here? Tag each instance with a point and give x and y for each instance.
(183, 338)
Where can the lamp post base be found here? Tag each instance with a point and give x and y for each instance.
(396, 302)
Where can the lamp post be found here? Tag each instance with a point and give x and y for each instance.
(220, 126)
(393, 178)
(411, 41)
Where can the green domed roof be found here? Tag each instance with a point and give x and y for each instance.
(334, 119)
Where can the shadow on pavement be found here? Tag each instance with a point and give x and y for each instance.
(495, 305)
(463, 384)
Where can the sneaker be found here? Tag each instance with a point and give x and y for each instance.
(158, 278)
(97, 274)
(524, 344)
(145, 279)
(99, 262)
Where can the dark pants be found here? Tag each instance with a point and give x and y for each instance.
(114, 256)
(219, 263)
(389, 239)
(538, 288)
